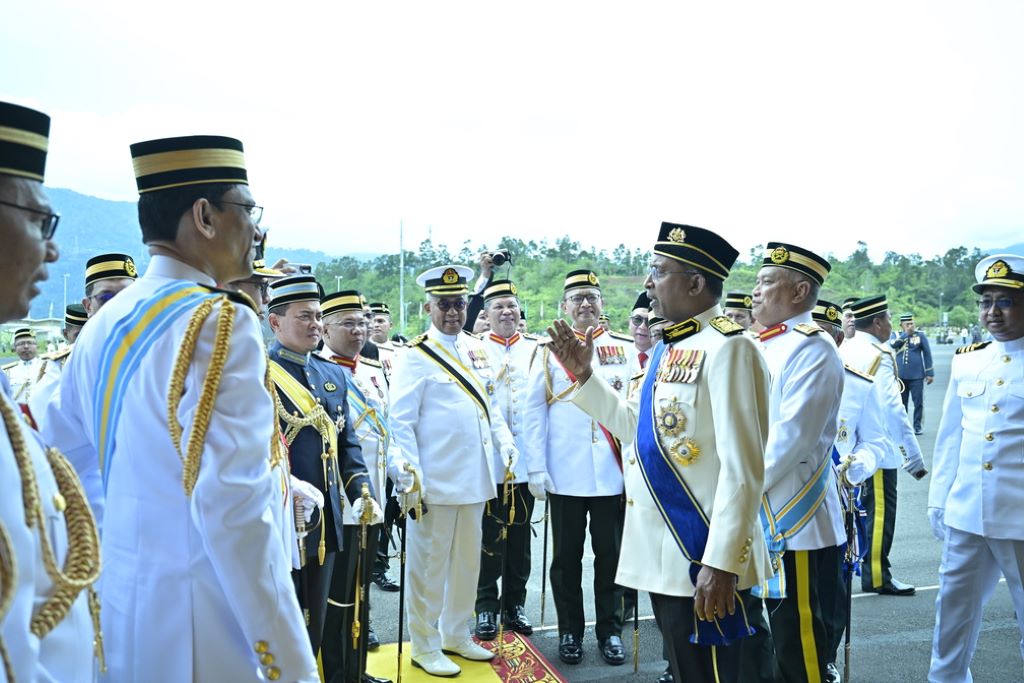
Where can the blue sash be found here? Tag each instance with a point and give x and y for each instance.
(680, 510)
(781, 525)
(122, 354)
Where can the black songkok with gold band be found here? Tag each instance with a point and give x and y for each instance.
(75, 315)
(827, 312)
(24, 139)
(293, 289)
(797, 258)
(339, 302)
(848, 303)
(500, 288)
(872, 305)
(23, 333)
(581, 278)
(192, 160)
(380, 308)
(738, 301)
(108, 267)
(696, 247)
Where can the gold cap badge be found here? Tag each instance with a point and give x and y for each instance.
(779, 255)
(996, 270)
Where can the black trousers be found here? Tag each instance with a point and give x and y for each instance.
(312, 585)
(798, 621)
(915, 388)
(339, 657)
(568, 532)
(516, 550)
(879, 498)
(387, 530)
(835, 602)
(691, 663)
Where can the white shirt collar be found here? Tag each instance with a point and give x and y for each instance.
(173, 269)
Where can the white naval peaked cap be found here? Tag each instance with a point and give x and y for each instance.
(999, 270)
(450, 280)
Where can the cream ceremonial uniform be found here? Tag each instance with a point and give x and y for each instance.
(723, 410)
(860, 432)
(200, 576)
(23, 375)
(978, 480)
(446, 435)
(65, 652)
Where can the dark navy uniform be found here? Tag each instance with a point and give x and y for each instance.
(914, 363)
(327, 384)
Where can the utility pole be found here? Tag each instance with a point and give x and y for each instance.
(401, 275)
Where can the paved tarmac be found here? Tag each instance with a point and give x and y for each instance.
(891, 635)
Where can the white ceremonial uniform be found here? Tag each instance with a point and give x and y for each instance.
(65, 654)
(867, 354)
(978, 479)
(194, 587)
(23, 374)
(860, 432)
(725, 412)
(807, 388)
(557, 431)
(510, 362)
(387, 355)
(446, 436)
(48, 384)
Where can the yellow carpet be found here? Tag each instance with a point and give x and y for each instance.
(520, 663)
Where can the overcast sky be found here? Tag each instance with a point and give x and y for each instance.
(818, 123)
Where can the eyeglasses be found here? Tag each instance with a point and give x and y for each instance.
(48, 222)
(448, 304)
(657, 273)
(638, 321)
(255, 212)
(1002, 303)
(350, 325)
(103, 297)
(262, 285)
(577, 299)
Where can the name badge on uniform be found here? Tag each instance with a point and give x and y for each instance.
(478, 359)
(681, 366)
(611, 355)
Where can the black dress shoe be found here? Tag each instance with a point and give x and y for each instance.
(570, 650)
(895, 587)
(918, 432)
(832, 674)
(372, 641)
(612, 650)
(666, 677)
(385, 584)
(515, 619)
(367, 678)
(486, 626)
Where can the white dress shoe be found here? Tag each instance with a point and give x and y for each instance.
(469, 650)
(436, 664)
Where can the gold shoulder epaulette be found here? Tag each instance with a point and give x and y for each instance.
(855, 371)
(417, 340)
(60, 354)
(9, 366)
(373, 363)
(884, 348)
(638, 375)
(543, 340)
(874, 365)
(475, 335)
(237, 297)
(619, 335)
(807, 328)
(973, 347)
(726, 326)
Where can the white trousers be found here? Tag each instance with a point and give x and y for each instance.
(969, 572)
(443, 567)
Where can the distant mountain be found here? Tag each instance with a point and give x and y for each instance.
(90, 226)
(1012, 249)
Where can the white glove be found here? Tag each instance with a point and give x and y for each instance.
(510, 456)
(539, 484)
(936, 517)
(376, 514)
(403, 474)
(307, 496)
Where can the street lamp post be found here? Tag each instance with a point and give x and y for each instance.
(337, 283)
(65, 292)
(940, 308)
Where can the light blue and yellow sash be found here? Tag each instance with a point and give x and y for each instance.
(686, 521)
(361, 408)
(123, 351)
(779, 526)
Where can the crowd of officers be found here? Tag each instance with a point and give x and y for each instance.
(240, 497)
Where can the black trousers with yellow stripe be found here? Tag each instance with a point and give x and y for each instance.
(798, 621)
(879, 499)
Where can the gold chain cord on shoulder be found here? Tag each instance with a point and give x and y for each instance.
(82, 563)
(549, 383)
(277, 449)
(8, 582)
(192, 457)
